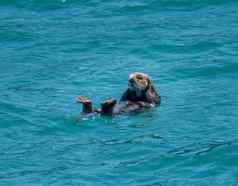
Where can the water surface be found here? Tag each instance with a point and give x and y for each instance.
(52, 51)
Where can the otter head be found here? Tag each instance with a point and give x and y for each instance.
(139, 82)
(140, 88)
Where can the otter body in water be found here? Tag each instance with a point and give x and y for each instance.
(140, 94)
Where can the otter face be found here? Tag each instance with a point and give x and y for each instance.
(138, 82)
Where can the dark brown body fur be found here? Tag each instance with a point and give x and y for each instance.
(140, 94)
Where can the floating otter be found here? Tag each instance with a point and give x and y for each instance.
(140, 94)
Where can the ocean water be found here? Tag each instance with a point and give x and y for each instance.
(54, 50)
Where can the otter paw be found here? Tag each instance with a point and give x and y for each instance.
(109, 102)
(141, 103)
(83, 99)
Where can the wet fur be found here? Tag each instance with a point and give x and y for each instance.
(149, 95)
(137, 98)
(140, 94)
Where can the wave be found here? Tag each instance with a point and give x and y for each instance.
(208, 71)
(125, 6)
(36, 4)
(167, 5)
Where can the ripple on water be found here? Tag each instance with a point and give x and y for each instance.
(53, 51)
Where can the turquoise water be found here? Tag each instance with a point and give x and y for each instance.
(52, 50)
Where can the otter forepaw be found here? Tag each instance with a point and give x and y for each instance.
(141, 103)
(109, 102)
(83, 99)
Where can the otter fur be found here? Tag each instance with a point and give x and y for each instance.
(140, 88)
(140, 94)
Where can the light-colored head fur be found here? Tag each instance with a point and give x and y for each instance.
(138, 82)
(140, 88)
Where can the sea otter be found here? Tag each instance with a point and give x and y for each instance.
(140, 94)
